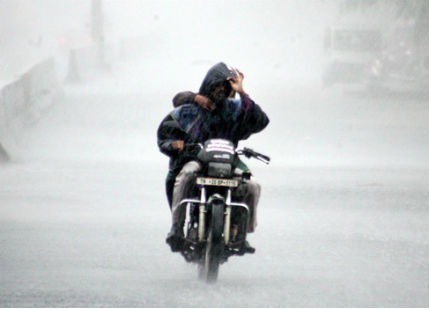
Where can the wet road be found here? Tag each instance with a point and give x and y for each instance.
(83, 215)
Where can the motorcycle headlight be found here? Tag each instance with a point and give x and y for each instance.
(220, 170)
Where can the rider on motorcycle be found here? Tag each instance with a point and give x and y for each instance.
(215, 116)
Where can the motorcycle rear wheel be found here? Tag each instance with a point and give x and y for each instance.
(209, 265)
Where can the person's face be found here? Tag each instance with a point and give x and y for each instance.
(218, 94)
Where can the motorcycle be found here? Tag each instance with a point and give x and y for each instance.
(216, 226)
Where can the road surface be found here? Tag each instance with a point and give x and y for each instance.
(343, 218)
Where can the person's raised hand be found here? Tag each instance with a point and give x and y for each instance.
(237, 82)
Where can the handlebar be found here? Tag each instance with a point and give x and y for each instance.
(251, 153)
(192, 147)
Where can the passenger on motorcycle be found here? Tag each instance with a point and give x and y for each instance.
(215, 115)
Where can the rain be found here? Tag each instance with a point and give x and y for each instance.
(343, 219)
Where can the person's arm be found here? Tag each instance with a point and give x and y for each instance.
(170, 140)
(190, 97)
(253, 117)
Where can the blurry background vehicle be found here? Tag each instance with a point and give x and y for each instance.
(402, 65)
(347, 50)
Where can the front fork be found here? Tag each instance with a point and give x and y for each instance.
(227, 221)
(227, 214)
(203, 213)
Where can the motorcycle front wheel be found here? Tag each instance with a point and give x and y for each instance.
(209, 265)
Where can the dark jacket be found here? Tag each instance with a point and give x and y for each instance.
(234, 119)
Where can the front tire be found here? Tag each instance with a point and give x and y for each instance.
(209, 266)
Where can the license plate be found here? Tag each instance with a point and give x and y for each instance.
(217, 182)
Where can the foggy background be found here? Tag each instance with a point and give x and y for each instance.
(344, 208)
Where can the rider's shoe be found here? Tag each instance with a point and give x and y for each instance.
(248, 248)
(175, 238)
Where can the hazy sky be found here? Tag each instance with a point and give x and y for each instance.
(236, 31)
(275, 33)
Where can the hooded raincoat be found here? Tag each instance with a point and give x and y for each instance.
(232, 119)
